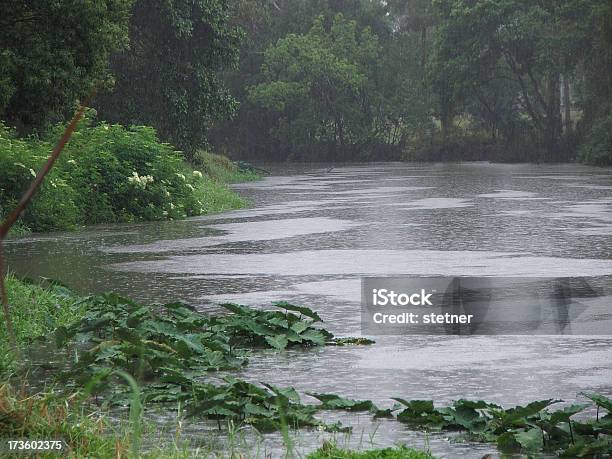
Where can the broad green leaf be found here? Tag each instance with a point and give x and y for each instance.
(277, 342)
(600, 400)
(301, 309)
(530, 440)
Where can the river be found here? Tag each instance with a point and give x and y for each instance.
(312, 233)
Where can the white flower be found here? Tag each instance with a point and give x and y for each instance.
(32, 173)
(171, 206)
(197, 174)
(140, 181)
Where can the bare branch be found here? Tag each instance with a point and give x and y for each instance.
(21, 206)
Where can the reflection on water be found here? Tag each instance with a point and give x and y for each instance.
(312, 234)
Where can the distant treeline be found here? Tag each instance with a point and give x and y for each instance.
(507, 80)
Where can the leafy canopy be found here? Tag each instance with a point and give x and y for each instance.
(53, 53)
(318, 84)
(169, 78)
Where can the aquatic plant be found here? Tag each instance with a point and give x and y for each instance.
(170, 348)
(170, 353)
(331, 451)
(528, 429)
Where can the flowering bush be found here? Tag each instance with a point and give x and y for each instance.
(107, 173)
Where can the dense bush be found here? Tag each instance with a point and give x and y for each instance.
(597, 147)
(107, 173)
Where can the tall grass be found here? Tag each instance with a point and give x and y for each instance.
(36, 311)
(221, 169)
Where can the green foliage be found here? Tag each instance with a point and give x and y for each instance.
(53, 416)
(597, 147)
(53, 53)
(519, 81)
(136, 410)
(272, 328)
(175, 339)
(169, 348)
(507, 75)
(331, 451)
(107, 173)
(36, 311)
(165, 353)
(169, 78)
(221, 169)
(336, 402)
(530, 429)
(318, 84)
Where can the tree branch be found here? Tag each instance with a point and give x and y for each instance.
(21, 206)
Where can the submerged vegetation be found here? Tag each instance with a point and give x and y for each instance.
(127, 354)
(37, 311)
(330, 451)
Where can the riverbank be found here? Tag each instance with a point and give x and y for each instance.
(66, 415)
(136, 356)
(112, 174)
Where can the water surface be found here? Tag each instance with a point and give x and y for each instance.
(310, 236)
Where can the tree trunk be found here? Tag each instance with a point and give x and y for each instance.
(567, 105)
(553, 116)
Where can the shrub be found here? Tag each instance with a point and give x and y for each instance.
(107, 173)
(597, 147)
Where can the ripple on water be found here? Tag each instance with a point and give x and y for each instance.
(263, 230)
(375, 262)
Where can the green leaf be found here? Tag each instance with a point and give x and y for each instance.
(507, 443)
(530, 440)
(301, 309)
(600, 400)
(277, 342)
(335, 402)
(314, 336)
(418, 406)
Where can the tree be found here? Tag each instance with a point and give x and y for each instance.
(318, 84)
(504, 60)
(169, 78)
(53, 53)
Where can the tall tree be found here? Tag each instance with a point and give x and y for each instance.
(318, 83)
(482, 43)
(169, 78)
(52, 53)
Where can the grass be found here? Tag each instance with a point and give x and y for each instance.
(52, 416)
(216, 197)
(36, 311)
(331, 451)
(221, 169)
